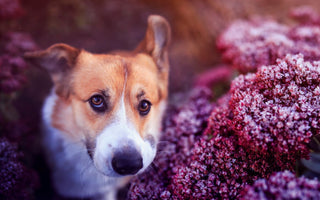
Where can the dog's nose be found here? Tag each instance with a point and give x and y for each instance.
(127, 162)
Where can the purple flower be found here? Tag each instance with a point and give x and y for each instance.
(261, 126)
(248, 45)
(305, 15)
(11, 76)
(12, 65)
(17, 43)
(214, 76)
(10, 9)
(17, 181)
(283, 185)
(219, 167)
(277, 110)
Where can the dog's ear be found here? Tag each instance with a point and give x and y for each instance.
(58, 60)
(156, 41)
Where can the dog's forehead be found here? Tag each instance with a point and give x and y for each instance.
(96, 73)
(99, 72)
(142, 76)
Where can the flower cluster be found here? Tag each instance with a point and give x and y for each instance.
(214, 76)
(261, 126)
(16, 180)
(248, 45)
(10, 9)
(183, 126)
(12, 65)
(282, 185)
(218, 167)
(305, 15)
(278, 109)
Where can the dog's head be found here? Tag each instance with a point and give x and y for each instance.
(113, 103)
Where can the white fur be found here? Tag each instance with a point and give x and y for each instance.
(117, 135)
(74, 174)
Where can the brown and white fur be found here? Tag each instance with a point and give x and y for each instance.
(102, 119)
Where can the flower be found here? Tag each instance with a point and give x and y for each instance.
(249, 45)
(262, 125)
(277, 110)
(16, 179)
(10, 9)
(12, 65)
(283, 185)
(218, 167)
(305, 15)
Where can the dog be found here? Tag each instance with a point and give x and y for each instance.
(102, 120)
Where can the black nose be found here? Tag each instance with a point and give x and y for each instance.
(127, 162)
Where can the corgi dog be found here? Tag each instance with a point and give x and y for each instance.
(102, 120)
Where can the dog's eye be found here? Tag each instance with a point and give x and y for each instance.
(144, 107)
(97, 103)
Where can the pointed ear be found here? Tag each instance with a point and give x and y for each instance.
(58, 60)
(156, 41)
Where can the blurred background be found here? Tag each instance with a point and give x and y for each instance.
(100, 26)
(103, 25)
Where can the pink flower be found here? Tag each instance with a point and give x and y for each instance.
(17, 181)
(10, 9)
(249, 45)
(261, 126)
(12, 65)
(282, 185)
(276, 110)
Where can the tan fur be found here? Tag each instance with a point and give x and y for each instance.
(94, 73)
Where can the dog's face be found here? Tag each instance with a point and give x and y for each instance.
(112, 103)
